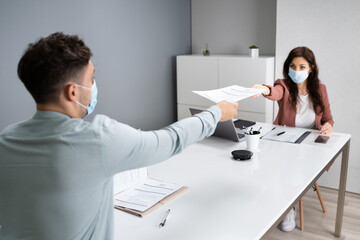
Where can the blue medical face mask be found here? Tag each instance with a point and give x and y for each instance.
(93, 99)
(298, 76)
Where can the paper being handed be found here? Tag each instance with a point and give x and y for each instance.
(232, 93)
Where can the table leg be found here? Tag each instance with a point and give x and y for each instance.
(342, 189)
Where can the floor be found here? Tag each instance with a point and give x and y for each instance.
(319, 225)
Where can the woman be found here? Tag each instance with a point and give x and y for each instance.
(302, 99)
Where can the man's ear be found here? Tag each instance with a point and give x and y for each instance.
(71, 92)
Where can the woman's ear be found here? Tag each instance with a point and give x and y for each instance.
(311, 68)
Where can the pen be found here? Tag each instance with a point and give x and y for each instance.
(270, 130)
(251, 131)
(163, 221)
(280, 133)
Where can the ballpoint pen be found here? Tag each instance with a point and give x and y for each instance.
(163, 221)
(280, 133)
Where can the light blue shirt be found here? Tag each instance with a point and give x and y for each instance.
(56, 171)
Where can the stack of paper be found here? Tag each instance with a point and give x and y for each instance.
(286, 134)
(233, 93)
(126, 179)
(146, 196)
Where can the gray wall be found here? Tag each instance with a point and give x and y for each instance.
(231, 26)
(331, 29)
(134, 45)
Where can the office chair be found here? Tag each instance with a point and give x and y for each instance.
(301, 209)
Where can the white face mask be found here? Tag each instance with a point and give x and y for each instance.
(93, 99)
(298, 76)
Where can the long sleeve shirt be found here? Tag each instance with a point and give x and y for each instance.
(56, 171)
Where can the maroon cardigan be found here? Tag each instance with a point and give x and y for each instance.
(286, 115)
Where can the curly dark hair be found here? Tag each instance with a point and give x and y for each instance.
(48, 64)
(313, 83)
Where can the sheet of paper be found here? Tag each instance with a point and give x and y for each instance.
(290, 134)
(127, 179)
(232, 93)
(145, 194)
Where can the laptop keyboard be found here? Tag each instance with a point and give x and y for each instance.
(240, 135)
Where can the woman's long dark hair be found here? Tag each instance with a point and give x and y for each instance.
(313, 82)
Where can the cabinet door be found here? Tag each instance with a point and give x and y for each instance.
(196, 73)
(246, 72)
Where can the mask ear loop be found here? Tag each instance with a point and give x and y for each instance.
(80, 102)
(83, 87)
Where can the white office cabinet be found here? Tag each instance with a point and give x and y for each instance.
(194, 73)
(197, 72)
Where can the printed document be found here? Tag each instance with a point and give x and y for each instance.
(232, 93)
(145, 194)
(286, 134)
(124, 180)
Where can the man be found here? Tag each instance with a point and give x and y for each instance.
(56, 169)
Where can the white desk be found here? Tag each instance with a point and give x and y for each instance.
(236, 199)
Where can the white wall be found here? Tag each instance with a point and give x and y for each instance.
(331, 29)
(231, 26)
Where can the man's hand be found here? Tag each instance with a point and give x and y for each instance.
(228, 110)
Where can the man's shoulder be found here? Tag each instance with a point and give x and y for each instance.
(11, 128)
(101, 121)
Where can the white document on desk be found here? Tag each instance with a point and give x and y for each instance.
(145, 194)
(232, 93)
(290, 134)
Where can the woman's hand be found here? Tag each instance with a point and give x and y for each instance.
(326, 128)
(259, 86)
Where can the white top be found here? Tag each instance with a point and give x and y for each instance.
(305, 114)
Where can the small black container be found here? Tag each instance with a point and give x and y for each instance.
(242, 154)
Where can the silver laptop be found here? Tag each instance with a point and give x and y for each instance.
(225, 129)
